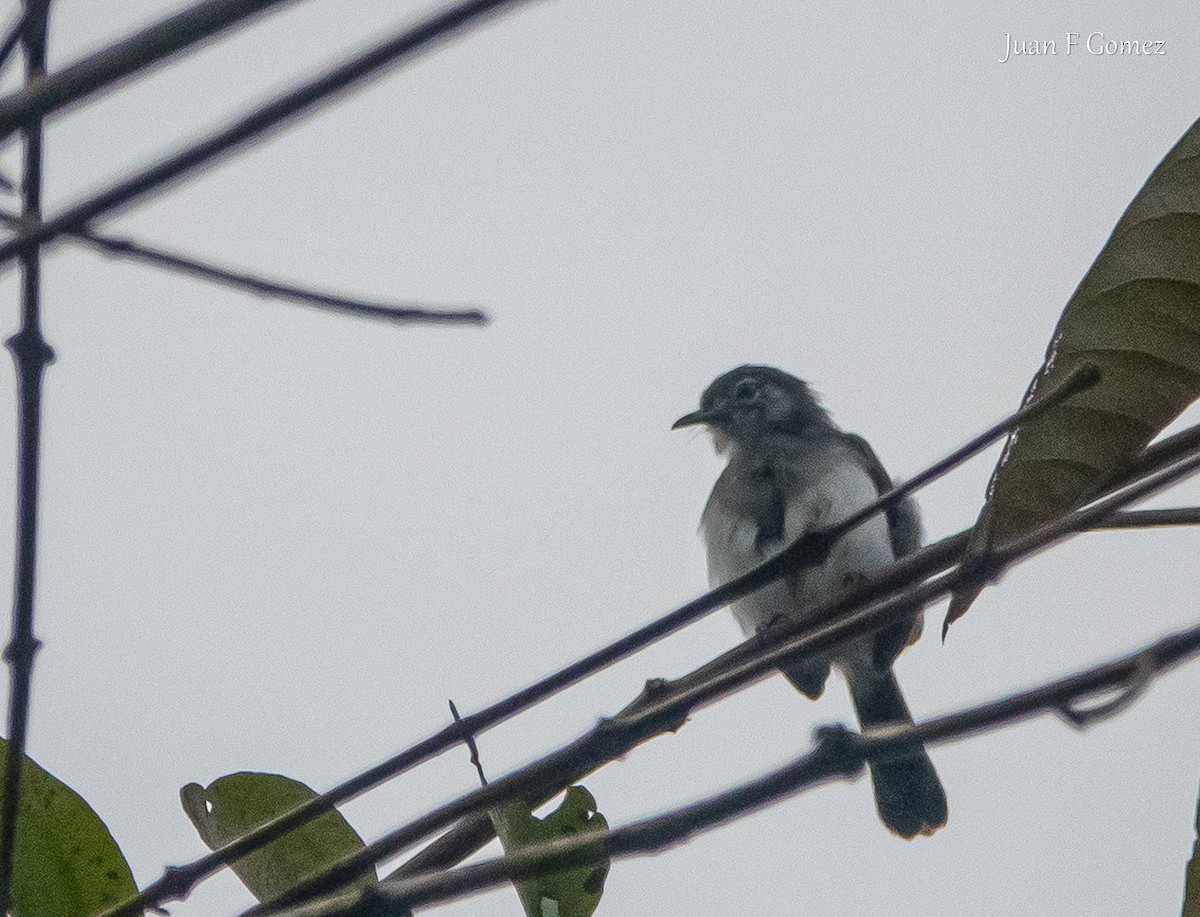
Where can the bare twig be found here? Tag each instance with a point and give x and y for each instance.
(179, 880)
(1150, 518)
(402, 314)
(274, 114)
(838, 754)
(666, 706)
(182, 30)
(11, 39)
(471, 746)
(813, 547)
(1083, 378)
(474, 832)
(31, 355)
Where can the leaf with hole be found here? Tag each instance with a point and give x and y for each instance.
(234, 805)
(1136, 316)
(569, 892)
(65, 861)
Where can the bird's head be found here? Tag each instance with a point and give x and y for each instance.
(750, 402)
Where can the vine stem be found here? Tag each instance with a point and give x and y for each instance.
(31, 355)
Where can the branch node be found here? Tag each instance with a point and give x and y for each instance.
(841, 750)
(469, 738)
(28, 347)
(672, 718)
(655, 688)
(1079, 716)
(175, 884)
(22, 647)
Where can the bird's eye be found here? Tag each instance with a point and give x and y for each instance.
(745, 390)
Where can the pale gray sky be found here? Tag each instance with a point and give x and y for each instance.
(278, 540)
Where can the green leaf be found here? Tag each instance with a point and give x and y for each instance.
(232, 806)
(570, 892)
(1136, 316)
(1191, 888)
(65, 862)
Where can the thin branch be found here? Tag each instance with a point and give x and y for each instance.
(471, 746)
(666, 706)
(11, 40)
(178, 881)
(1150, 518)
(1157, 455)
(839, 753)
(31, 355)
(274, 114)
(813, 547)
(205, 270)
(1083, 378)
(475, 832)
(178, 32)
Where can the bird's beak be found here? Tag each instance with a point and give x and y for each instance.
(695, 418)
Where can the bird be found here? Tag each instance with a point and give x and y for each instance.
(791, 470)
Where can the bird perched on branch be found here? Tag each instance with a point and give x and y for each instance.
(791, 470)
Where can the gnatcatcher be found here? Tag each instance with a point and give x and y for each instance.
(792, 470)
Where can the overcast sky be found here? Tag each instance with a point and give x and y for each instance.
(275, 539)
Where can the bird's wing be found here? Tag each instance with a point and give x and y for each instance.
(904, 521)
(904, 527)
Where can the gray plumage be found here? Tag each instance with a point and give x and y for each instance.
(791, 470)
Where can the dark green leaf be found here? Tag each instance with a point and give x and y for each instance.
(1135, 315)
(570, 892)
(232, 806)
(1191, 888)
(65, 863)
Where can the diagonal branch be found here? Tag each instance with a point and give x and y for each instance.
(471, 746)
(11, 40)
(178, 32)
(474, 832)
(261, 286)
(274, 114)
(178, 881)
(1152, 518)
(838, 754)
(666, 706)
(31, 355)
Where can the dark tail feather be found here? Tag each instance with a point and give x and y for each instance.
(908, 794)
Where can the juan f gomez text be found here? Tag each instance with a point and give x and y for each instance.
(1096, 44)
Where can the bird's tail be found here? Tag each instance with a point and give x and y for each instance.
(908, 794)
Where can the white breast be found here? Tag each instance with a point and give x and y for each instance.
(730, 537)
